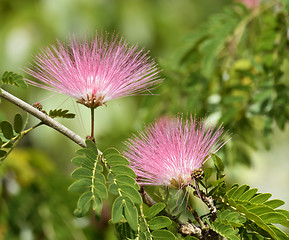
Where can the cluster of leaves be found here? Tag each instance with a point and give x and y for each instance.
(10, 135)
(243, 213)
(101, 174)
(59, 113)
(234, 68)
(13, 79)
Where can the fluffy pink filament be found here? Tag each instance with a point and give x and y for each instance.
(94, 72)
(250, 3)
(167, 151)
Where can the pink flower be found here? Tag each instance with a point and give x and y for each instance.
(94, 72)
(250, 3)
(169, 150)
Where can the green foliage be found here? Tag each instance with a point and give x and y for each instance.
(259, 210)
(227, 223)
(13, 79)
(10, 135)
(225, 230)
(18, 123)
(59, 113)
(154, 210)
(7, 129)
(121, 183)
(90, 180)
(163, 235)
(159, 222)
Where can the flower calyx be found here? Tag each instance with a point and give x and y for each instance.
(92, 101)
(197, 174)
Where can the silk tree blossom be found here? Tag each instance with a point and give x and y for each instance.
(94, 72)
(168, 151)
(250, 3)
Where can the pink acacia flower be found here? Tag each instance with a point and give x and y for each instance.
(94, 72)
(169, 150)
(250, 3)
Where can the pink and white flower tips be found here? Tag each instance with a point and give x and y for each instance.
(168, 151)
(250, 3)
(94, 72)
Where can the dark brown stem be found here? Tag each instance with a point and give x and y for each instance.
(208, 200)
(196, 216)
(147, 199)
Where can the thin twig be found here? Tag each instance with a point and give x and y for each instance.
(147, 199)
(43, 117)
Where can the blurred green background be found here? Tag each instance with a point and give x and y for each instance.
(35, 203)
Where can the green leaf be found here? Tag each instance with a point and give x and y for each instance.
(256, 219)
(96, 204)
(88, 153)
(234, 218)
(98, 178)
(218, 163)
(18, 123)
(261, 198)
(83, 204)
(163, 235)
(2, 153)
(7, 129)
(231, 191)
(80, 173)
(131, 193)
(144, 236)
(101, 190)
(91, 145)
(125, 231)
(225, 230)
(59, 113)
(154, 210)
(207, 173)
(130, 213)
(113, 160)
(113, 189)
(280, 234)
(82, 185)
(239, 192)
(83, 162)
(284, 212)
(117, 209)
(248, 194)
(159, 222)
(122, 170)
(273, 217)
(109, 152)
(190, 238)
(274, 203)
(126, 180)
(13, 79)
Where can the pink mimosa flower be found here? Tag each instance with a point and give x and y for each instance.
(169, 150)
(94, 72)
(250, 3)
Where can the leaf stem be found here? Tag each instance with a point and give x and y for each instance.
(145, 221)
(92, 124)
